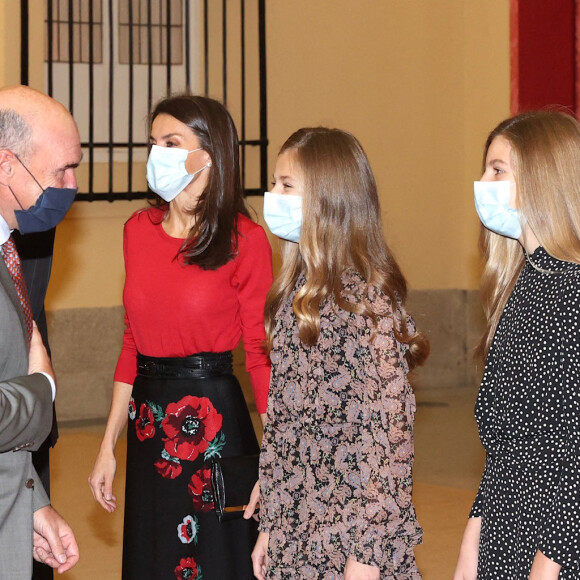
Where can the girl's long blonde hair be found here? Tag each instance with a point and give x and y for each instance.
(545, 156)
(341, 230)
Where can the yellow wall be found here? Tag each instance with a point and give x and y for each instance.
(420, 83)
(9, 42)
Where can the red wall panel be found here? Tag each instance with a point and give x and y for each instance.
(543, 54)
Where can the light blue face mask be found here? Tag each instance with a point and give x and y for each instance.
(166, 172)
(283, 215)
(492, 205)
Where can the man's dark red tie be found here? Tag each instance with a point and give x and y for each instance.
(12, 260)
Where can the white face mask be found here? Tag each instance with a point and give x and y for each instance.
(492, 205)
(283, 214)
(166, 172)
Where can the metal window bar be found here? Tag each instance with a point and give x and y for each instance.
(110, 146)
(71, 84)
(91, 101)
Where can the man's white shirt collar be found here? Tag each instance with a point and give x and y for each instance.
(5, 231)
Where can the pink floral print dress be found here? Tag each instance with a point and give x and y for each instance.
(337, 453)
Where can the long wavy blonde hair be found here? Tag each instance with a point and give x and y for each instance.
(545, 156)
(341, 230)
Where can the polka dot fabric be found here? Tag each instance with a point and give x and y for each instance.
(528, 414)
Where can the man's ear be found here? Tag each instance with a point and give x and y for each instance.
(7, 164)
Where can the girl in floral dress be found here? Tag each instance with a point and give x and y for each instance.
(197, 274)
(337, 454)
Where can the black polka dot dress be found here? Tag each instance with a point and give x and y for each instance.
(528, 414)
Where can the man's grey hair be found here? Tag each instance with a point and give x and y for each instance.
(15, 133)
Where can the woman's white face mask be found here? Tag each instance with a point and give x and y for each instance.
(283, 215)
(492, 205)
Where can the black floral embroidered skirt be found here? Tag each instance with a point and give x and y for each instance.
(176, 426)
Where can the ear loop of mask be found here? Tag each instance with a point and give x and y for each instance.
(208, 164)
(29, 173)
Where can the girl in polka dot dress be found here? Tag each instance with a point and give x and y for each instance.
(525, 521)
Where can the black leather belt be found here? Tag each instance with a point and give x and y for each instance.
(197, 366)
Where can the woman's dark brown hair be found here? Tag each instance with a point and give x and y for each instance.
(212, 241)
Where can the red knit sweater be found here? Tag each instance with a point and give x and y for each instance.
(175, 310)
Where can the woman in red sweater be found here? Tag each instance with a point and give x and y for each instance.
(197, 274)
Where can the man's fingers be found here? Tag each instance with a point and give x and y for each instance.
(50, 533)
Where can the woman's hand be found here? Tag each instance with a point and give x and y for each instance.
(466, 568)
(260, 556)
(543, 568)
(356, 571)
(253, 502)
(101, 479)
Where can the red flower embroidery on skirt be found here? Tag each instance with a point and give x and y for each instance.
(199, 489)
(145, 424)
(132, 409)
(168, 469)
(187, 569)
(190, 424)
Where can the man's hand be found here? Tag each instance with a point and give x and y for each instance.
(54, 543)
(38, 361)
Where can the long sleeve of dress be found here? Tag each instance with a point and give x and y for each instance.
(386, 519)
(560, 536)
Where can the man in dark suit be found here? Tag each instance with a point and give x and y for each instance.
(35, 252)
(39, 150)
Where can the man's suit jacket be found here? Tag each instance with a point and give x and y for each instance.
(35, 251)
(25, 421)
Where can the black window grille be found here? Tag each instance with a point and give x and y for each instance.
(67, 31)
(149, 49)
(151, 26)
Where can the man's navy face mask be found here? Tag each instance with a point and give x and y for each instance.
(48, 211)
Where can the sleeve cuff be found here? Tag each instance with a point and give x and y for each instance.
(52, 384)
(126, 369)
(260, 377)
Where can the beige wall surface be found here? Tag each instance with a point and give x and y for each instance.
(9, 42)
(420, 84)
